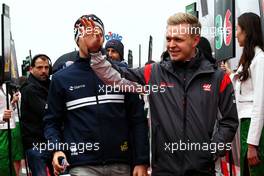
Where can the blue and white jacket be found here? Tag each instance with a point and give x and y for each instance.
(91, 126)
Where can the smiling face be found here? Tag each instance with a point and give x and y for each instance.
(180, 42)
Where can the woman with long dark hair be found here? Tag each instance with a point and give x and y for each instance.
(249, 90)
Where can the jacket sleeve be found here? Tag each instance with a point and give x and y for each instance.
(115, 75)
(1, 117)
(257, 117)
(139, 129)
(54, 114)
(2, 109)
(31, 104)
(30, 100)
(227, 125)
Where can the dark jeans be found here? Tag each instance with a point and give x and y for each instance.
(39, 162)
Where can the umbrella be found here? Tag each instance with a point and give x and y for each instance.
(62, 60)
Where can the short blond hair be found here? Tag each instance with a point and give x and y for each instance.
(186, 18)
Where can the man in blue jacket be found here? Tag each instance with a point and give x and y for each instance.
(98, 131)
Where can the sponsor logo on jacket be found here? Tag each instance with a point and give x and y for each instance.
(124, 146)
(71, 88)
(207, 87)
(167, 84)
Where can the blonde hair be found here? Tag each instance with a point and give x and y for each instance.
(186, 18)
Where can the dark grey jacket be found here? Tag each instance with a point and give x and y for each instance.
(183, 116)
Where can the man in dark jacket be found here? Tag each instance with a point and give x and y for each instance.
(115, 50)
(88, 121)
(184, 114)
(34, 93)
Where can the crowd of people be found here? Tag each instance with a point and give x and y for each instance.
(71, 122)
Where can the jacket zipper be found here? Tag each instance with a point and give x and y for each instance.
(196, 74)
(185, 87)
(97, 116)
(184, 119)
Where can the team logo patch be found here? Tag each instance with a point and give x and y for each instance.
(207, 87)
(124, 146)
(167, 84)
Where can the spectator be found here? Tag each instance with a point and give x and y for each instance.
(115, 50)
(205, 47)
(34, 94)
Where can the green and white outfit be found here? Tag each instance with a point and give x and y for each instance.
(16, 143)
(250, 107)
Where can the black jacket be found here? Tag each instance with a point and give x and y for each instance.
(184, 115)
(34, 95)
(105, 121)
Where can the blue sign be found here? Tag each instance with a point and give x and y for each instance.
(114, 36)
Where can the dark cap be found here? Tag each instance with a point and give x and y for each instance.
(97, 21)
(116, 45)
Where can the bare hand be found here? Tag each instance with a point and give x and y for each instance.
(55, 163)
(15, 98)
(92, 35)
(252, 155)
(140, 170)
(225, 67)
(7, 115)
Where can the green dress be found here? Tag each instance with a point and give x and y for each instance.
(255, 170)
(17, 150)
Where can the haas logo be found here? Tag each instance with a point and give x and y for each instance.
(207, 87)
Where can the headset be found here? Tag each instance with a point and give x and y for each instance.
(42, 55)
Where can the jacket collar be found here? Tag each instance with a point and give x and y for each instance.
(199, 62)
(83, 61)
(42, 84)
